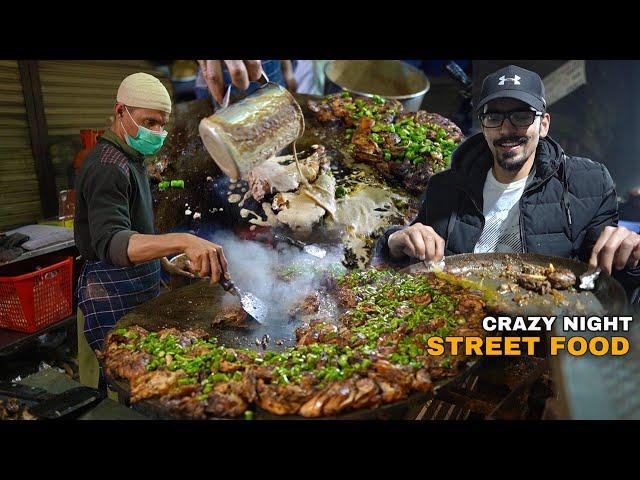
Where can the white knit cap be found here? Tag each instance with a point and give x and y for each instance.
(144, 91)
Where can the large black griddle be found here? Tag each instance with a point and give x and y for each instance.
(485, 269)
(195, 306)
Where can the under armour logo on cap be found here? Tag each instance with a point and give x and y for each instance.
(515, 80)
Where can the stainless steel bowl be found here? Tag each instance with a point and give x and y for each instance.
(390, 79)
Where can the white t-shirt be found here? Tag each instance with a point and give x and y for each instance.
(501, 232)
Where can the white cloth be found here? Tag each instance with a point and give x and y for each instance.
(41, 236)
(501, 232)
(310, 76)
(144, 91)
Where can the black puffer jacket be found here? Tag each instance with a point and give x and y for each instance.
(565, 206)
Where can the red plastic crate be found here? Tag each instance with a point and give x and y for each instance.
(38, 298)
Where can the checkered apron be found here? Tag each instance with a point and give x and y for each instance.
(106, 293)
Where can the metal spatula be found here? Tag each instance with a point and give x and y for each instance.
(250, 303)
(310, 249)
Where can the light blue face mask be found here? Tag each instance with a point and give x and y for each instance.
(147, 142)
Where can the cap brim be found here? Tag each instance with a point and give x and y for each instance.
(525, 97)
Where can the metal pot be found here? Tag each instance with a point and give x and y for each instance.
(390, 79)
(245, 134)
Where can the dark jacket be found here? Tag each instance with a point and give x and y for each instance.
(565, 206)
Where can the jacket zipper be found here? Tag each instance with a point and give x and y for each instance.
(522, 235)
(525, 249)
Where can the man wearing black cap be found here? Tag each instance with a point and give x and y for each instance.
(512, 188)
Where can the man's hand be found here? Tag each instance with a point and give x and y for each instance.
(617, 247)
(241, 71)
(288, 75)
(173, 269)
(205, 258)
(417, 241)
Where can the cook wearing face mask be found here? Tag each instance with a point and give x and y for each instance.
(114, 226)
(147, 141)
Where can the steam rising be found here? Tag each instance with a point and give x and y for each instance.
(254, 268)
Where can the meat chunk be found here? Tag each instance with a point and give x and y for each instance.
(318, 332)
(281, 399)
(185, 407)
(346, 296)
(332, 400)
(133, 334)
(422, 381)
(307, 306)
(125, 363)
(471, 307)
(394, 373)
(367, 394)
(561, 279)
(232, 316)
(536, 283)
(153, 384)
(391, 392)
(225, 404)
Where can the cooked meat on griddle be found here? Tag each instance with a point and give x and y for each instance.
(540, 279)
(281, 399)
(472, 307)
(153, 384)
(232, 316)
(320, 331)
(407, 148)
(390, 392)
(373, 354)
(422, 381)
(188, 407)
(133, 333)
(334, 399)
(536, 283)
(307, 306)
(562, 278)
(225, 404)
(346, 296)
(341, 106)
(124, 363)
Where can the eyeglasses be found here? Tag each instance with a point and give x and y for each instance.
(518, 118)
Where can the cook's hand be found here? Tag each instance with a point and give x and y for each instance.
(617, 247)
(173, 269)
(241, 72)
(417, 241)
(205, 258)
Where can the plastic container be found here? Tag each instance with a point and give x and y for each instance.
(32, 298)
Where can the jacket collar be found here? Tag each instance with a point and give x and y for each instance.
(472, 160)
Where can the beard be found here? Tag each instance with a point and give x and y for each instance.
(512, 161)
